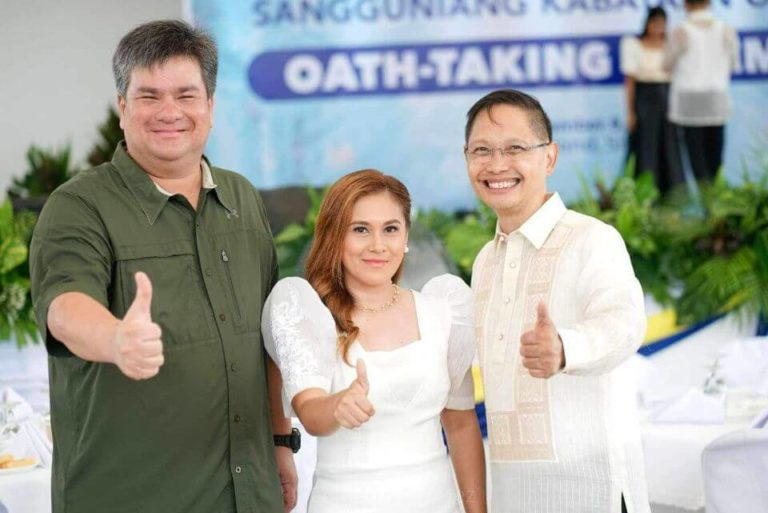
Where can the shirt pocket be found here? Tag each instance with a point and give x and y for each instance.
(246, 260)
(179, 302)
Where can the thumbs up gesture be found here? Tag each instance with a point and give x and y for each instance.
(541, 348)
(136, 344)
(352, 406)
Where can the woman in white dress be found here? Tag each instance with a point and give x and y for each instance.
(374, 370)
(652, 137)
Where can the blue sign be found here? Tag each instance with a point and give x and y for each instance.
(312, 89)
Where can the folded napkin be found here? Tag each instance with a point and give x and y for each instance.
(744, 363)
(31, 439)
(693, 407)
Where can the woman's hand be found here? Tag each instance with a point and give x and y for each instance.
(353, 408)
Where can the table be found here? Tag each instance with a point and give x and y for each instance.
(673, 463)
(26, 492)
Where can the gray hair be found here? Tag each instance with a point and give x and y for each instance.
(158, 41)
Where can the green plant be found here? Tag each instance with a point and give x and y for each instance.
(293, 240)
(632, 205)
(47, 170)
(110, 135)
(720, 256)
(463, 235)
(17, 317)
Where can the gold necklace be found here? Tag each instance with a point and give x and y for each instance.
(385, 306)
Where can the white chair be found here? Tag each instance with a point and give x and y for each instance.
(736, 472)
(761, 420)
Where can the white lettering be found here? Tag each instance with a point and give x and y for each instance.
(595, 60)
(443, 59)
(755, 55)
(303, 74)
(533, 63)
(368, 63)
(505, 64)
(340, 74)
(559, 62)
(472, 68)
(404, 68)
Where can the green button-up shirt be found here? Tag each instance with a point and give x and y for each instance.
(197, 437)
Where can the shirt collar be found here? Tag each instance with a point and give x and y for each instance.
(701, 15)
(151, 197)
(538, 227)
(207, 179)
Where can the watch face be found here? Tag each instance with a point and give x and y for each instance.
(295, 440)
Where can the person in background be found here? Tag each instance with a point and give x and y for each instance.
(558, 311)
(375, 370)
(646, 83)
(148, 277)
(700, 55)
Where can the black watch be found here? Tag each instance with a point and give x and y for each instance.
(292, 441)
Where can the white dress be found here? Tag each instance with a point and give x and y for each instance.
(397, 461)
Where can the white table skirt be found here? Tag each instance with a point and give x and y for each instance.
(26, 492)
(673, 461)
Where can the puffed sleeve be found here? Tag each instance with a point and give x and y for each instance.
(300, 337)
(629, 55)
(456, 296)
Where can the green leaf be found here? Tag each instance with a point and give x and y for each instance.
(291, 233)
(12, 257)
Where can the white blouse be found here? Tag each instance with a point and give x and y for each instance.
(642, 63)
(300, 336)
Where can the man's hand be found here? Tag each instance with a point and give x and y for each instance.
(289, 479)
(353, 408)
(136, 345)
(541, 348)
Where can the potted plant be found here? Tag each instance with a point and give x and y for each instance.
(110, 134)
(17, 318)
(47, 170)
(720, 256)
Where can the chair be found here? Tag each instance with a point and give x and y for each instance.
(761, 420)
(736, 472)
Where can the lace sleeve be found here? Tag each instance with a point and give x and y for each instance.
(457, 297)
(300, 336)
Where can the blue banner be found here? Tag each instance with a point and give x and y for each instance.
(312, 89)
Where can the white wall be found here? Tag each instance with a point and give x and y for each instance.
(55, 71)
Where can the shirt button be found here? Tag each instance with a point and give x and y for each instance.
(238, 470)
(237, 418)
(223, 317)
(208, 272)
(507, 300)
(512, 265)
(501, 336)
(233, 367)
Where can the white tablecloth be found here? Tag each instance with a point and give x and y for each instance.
(26, 492)
(673, 461)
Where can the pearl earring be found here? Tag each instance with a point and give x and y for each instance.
(406, 249)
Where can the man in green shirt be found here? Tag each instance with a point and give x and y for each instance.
(149, 274)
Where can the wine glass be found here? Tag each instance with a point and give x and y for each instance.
(8, 425)
(714, 383)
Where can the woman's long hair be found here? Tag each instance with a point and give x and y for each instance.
(653, 12)
(324, 269)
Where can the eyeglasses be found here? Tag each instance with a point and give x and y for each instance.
(481, 154)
